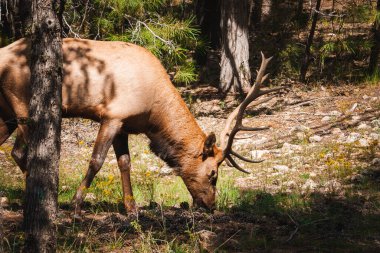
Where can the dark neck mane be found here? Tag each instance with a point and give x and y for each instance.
(175, 135)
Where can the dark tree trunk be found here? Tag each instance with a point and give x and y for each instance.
(14, 15)
(208, 16)
(375, 50)
(299, 8)
(307, 57)
(44, 129)
(256, 13)
(235, 73)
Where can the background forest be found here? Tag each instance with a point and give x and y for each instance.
(318, 187)
(185, 35)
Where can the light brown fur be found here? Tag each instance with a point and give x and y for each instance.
(126, 89)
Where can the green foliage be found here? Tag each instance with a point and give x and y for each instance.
(149, 23)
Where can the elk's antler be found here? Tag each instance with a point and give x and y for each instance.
(238, 113)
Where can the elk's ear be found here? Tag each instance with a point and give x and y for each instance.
(208, 148)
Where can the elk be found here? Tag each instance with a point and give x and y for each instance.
(127, 90)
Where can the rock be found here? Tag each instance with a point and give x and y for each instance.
(309, 185)
(65, 188)
(363, 142)
(374, 137)
(335, 113)
(166, 171)
(375, 123)
(290, 148)
(4, 201)
(301, 136)
(356, 118)
(336, 130)
(315, 138)
(208, 240)
(376, 161)
(257, 154)
(281, 168)
(353, 137)
(300, 128)
(365, 97)
(353, 107)
(363, 126)
(113, 161)
(90, 197)
(326, 119)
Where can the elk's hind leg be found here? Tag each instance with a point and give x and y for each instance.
(120, 145)
(107, 132)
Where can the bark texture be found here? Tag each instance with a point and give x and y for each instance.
(235, 73)
(307, 56)
(44, 128)
(375, 50)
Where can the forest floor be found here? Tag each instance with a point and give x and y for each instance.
(318, 189)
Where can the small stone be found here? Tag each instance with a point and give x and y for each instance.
(300, 128)
(356, 118)
(376, 161)
(363, 126)
(257, 154)
(113, 161)
(4, 201)
(290, 148)
(374, 137)
(90, 197)
(165, 171)
(335, 113)
(315, 138)
(281, 168)
(365, 97)
(326, 119)
(375, 123)
(353, 107)
(353, 137)
(65, 188)
(363, 142)
(301, 136)
(336, 130)
(313, 174)
(309, 185)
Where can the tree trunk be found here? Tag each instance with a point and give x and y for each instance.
(375, 50)
(299, 8)
(208, 16)
(306, 60)
(44, 127)
(235, 73)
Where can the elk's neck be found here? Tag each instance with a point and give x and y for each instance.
(175, 135)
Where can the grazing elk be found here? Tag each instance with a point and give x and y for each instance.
(126, 89)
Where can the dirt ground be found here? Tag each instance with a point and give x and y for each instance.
(317, 191)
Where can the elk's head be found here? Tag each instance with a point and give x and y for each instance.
(201, 180)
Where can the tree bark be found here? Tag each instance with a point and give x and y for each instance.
(44, 127)
(307, 57)
(208, 16)
(375, 50)
(235, 72)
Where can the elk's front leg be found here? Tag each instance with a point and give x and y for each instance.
(108, 130)
(6, 129)
(120, 145)
(19, 152)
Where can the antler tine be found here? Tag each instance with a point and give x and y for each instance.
(238, 114)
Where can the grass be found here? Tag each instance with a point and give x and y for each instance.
(263, 212)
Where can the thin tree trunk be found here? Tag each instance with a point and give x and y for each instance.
(299, 8)
(208, 16)
(306, 60)
(235, 72)
(44, 129)
(375, 50)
